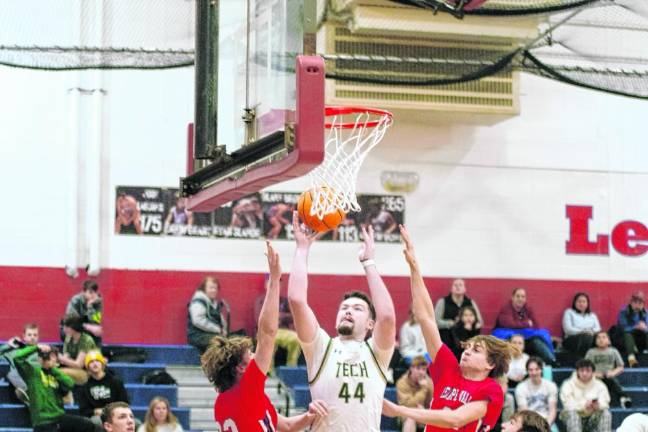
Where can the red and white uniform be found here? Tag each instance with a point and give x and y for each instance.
(245, 407)
(451, 391)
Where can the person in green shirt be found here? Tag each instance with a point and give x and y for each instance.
(8, 351)
(46, 386)
(77, 344)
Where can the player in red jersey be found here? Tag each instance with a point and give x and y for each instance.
(466, 397)
(239, 375)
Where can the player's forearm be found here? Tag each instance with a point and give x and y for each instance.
(440, 418)
(295, 423)
(422, 303)
(269, 316)
(380, 296)
(298, 281)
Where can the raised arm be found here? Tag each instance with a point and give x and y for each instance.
(269, 316)
(384, 333)
(421, 301)
(306, 323)
(445, 418)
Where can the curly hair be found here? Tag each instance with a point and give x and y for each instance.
(499, 352)
(531, 421)
(221, 358)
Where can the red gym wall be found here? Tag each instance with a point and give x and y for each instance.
(150, 306)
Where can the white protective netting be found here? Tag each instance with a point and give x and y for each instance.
(351, 134)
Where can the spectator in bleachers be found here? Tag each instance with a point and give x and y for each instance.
(536, 393)
(101, 389)
(414, 389)
(636, 422)
(286, 334)
(464, 329)
(608, 364)
(46, 387)
(77, 344)
(585, 401)
(208, 314)
(526, 421)
(88, 305)
(633, 319)
(515, 317)
(447, 310)
(118, 417)
(411, 341)
(159, 417)
(579, 325)
(29, 337)
(517, 369)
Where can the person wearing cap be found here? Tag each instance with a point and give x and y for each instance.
(101, 389)
(46, 387)
(634, 322)
(414, 389)
(75, 347)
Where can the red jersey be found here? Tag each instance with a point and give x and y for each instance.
(245, 407)
(451, 391)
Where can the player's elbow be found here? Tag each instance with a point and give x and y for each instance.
(455, 421)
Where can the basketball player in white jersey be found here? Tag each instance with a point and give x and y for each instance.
(346, 370)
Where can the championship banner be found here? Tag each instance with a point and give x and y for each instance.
(160, 211)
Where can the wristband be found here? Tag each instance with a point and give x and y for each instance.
(367, 263)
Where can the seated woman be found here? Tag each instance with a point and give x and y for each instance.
(579, 325)
(411, 340)
(464, 330)
(208, 314)
(159, 417)
(516, 317)
(517, 369)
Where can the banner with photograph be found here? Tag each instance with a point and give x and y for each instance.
(160, 211)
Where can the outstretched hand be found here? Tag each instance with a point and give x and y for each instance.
(303, 238)
(318, 408)
(367, 247)
(410, 256)
(273, 262)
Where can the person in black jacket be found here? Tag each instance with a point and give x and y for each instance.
(465, 329)
(101, 389)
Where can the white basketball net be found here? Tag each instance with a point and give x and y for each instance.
(352, 133)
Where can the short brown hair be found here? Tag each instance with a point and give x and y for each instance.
(221, 358)
(90, 285)
(531, 421)
(499, 352)
(107, 412)
(30, 326)
(364, 297)
(206, 280)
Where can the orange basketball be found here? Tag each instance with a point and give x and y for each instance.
(328, 222)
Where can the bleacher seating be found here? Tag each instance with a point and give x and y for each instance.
(14, 417)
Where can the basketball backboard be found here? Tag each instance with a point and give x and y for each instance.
(259, 109)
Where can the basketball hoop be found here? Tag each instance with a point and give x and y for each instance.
(352, 133)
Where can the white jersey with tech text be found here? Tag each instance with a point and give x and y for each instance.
(349, 376)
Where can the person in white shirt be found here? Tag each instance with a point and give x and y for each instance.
(585, 401)
(347, 371)
(412, 343)
(579, 325)
(517, 369)
(536, 393)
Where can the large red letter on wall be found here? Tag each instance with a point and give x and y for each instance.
(578, 242)
(630, 231)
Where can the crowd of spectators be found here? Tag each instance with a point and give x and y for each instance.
(597, 356)
(46, 378)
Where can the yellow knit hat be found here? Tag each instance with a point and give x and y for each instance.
(94, 355)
